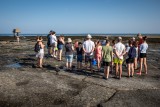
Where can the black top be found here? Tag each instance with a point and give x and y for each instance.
(60, 42)
(79, 51)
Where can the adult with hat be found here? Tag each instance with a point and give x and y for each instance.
(118, 60)
(88, 48)
(69, 53)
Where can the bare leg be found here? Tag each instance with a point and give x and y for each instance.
(98, 64)
(117, 69)
(60, 54)
(132, 69)
(80, 65)
(140, 69)
(107, 72)
(145, 65)
(129, 66)
(135, 63)
(120, 70)
(40, 62)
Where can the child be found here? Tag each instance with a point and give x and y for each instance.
(40, 53)
(143, 55)
(131, 51)
(79, 50)
(107, 53)
(98, 54)
(136, 58)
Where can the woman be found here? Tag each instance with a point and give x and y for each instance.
(69, 53)
(143, 55)
(98, 54)
(60, 47)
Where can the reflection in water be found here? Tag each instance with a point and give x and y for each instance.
(15, 65)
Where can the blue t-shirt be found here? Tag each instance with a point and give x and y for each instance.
(143, 47)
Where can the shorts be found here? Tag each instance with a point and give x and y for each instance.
(79, 58)
(54, 44)
(143, 55)
(88, 58)
(69, 58)
(106, 63)
(118, 61)
(40, 55)
(60, 47)
(129, 60)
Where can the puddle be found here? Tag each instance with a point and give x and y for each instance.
(15, 65)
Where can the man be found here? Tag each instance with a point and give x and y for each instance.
(53, 41)
(119, 52)
(88, 48)
(48, 43)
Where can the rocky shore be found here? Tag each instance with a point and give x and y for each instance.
(24, 85)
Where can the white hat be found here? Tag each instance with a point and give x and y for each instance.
(69, 40)
(133, 38)
(89, 36)
(120, 38)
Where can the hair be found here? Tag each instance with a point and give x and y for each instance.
(130, 42)
(113, 42)
(53, 32)
(107, 41)
(79, 43)
(139, 35)
(144, 38)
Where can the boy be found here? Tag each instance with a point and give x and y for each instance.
(79, 50)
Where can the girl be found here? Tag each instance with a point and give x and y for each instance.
(143, 55)
(60, 47)
(98, 54)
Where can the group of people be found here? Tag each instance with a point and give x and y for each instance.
(107, 54)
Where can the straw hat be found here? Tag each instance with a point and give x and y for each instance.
(69, 40)
(89, 36)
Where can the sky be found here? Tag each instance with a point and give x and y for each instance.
(80, 16)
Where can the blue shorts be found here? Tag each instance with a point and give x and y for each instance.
(60, 47)
(69, 58)
(79, 58)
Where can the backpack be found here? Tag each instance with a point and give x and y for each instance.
(132, 52)
(37, 47)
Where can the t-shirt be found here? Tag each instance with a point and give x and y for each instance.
(107, 53)
(143, 47)
(119, 48)
(88, 46)
(79, 51)
(53, 39)
(69, 50)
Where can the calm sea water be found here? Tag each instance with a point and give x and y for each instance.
(130, 35)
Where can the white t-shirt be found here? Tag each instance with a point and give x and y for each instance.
(88, 46)
(119, 47)
(53, 39)
(143, 47)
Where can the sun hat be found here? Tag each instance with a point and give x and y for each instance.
(119, 38)
(89, 36)
(69, 40)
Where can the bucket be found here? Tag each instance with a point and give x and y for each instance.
(94, 62)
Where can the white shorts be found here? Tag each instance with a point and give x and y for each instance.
(40, 55)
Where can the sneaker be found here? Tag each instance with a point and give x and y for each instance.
(104, 78)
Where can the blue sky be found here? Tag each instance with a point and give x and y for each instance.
(80, 16)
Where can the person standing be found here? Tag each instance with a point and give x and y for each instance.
(131, 54)
(143, 55)
(69, 53)
(53, 41)
(98, 54)
(60, 47)
(107, 52)
(119, 52)
(79, 50)
(49, 43)
(40, 53)
(88, 48)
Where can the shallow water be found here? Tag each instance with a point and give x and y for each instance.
(15, 65)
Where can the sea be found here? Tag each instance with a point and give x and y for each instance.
(126, 35)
